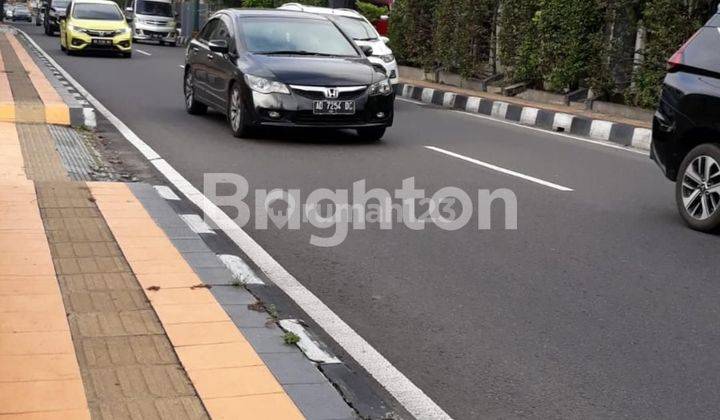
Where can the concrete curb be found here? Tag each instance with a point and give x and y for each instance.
(622, 134)
(81, 114)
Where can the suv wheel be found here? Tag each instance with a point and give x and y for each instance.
(697, 190)
(191, 105)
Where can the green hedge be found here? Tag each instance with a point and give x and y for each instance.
(558, 45)
(371, 12)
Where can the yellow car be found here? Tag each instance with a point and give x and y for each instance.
(95, 25)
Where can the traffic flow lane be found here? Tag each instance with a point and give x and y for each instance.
(559, 318)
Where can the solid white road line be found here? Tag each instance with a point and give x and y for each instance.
(412, 398)
(142, 52)
(166, 192)
(499, 169)
(240, 271)
(196, 223)
(308, 346)
(541, 130)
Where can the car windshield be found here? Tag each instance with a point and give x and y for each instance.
(295, 36)
(21, 8)
(154, 8)
(357, 29)
(60, 4)
(97, 11)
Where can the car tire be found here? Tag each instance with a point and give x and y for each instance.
(237, 114)
(371, 133)
(62, 48)
(48, 32)
(697, 188)
(192, 106)
(127, 54)
(162, 43)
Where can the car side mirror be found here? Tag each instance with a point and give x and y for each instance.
(367, 50)
(128, 10)
(384, 39)
(219, 46)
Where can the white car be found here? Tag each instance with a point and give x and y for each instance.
(362, 32)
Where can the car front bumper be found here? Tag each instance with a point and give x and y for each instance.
(145, 32)
(79, 41)
(295, 110)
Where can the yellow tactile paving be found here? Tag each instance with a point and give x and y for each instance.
(56, 111)
(229, 376)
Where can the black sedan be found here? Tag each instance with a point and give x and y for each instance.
(280, 68)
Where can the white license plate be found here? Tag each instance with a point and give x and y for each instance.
(334, 107)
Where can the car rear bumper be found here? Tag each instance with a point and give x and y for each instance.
(297, 111)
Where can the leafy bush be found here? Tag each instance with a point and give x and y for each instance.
(370, 11)
(668, 25)
(517, 40)
(411, 31)
(463, 48)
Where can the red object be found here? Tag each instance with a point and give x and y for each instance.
(677, 59)
(382, 27)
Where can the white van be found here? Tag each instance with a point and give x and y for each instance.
(361, 31)
(152, 20)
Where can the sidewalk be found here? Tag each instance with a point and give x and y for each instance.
(102, 314)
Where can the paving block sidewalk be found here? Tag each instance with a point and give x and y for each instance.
(104, 315)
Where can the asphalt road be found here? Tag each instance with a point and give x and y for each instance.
(602, 304)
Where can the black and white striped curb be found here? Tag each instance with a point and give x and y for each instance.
(622, 134)
(82, 114)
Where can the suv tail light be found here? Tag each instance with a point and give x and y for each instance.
(676, 60)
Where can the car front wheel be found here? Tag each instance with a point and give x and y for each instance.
(697, 190)
(237, 115)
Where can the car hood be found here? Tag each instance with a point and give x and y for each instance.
(99, 24)
(314, 71)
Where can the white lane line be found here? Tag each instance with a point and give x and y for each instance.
(142, 52)
(308, 346)
(196, 223)
(541, 130)
(239, 269)
(166, 192)
(498, 168)
(412, 398)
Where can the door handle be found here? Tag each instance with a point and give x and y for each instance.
(210, 56)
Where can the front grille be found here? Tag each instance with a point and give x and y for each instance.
(318, 96)
(154, 33)
(104, 34)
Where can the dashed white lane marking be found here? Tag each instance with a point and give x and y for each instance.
(412, 398)
(166, 192)
(499, 169)
(142, 52)
(239, 269)
(308, 346)
(196, 223)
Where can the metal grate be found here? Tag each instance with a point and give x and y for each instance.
(79, 160)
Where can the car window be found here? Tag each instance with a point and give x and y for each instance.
(207, 30)
(357, 29)
(154, 8)
(220, 32)
(292, 35)
(97, 11)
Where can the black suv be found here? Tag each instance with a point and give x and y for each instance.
(286, 69)
(53, 10)
(686, 127)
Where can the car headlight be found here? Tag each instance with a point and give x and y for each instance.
(73, 28)
(262, 85)
(122, 31)
(381, 88)
(389, 58)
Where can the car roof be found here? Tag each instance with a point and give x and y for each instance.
(321, 10)
(95, 1)
(270, 13)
